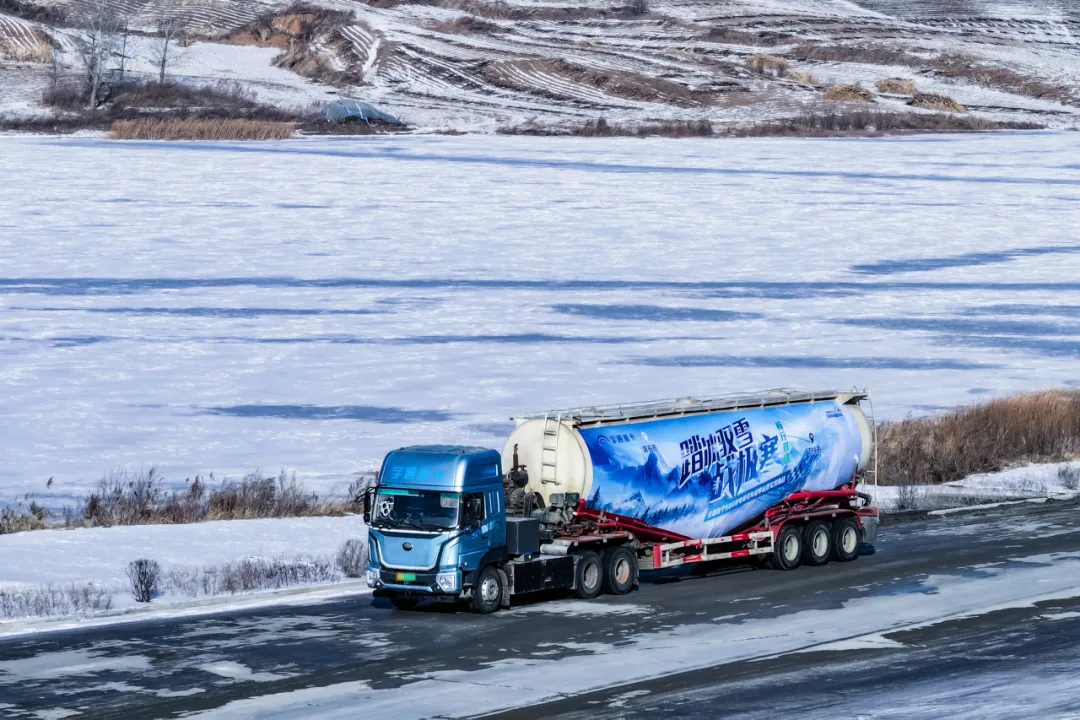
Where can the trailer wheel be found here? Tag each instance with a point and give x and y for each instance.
(487, 592)
(789, 548)
(405, 603)
(620, 570)
(845, 539)
(817, 543)
(588, 575)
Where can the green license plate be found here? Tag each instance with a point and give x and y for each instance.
(406, 577)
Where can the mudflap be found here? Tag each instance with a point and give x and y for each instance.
(870, 529)
(505, 602)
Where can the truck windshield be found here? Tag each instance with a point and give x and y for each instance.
(416, 509)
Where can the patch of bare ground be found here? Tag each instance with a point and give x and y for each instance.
(310, 39)
(849, 93)
(465, 25)
(873, 123)
(959, 67)
(616, 83)
(939, 103)
(1002, 433)
(197, 129)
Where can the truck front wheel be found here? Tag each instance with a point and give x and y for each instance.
(487, 593)
(788, 550)
(588, 575)
(620, 570)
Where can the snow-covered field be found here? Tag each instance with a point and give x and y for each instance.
(30, 560)
(310, 304)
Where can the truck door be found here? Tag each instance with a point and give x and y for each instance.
(474, 541)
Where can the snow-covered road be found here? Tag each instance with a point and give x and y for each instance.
(310, 304)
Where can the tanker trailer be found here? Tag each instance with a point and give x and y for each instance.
(696, 468)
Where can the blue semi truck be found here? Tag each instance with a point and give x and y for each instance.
(583, 500)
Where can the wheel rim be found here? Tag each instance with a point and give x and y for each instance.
(849, 539)
(622, 571)
(591, 575)
(489, 591)
(791, 548)
(821, 543)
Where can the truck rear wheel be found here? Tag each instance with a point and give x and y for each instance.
(845, 539)
(817, 543)
(788, 551)
(620, 570)
(588, 575)
(487, 593)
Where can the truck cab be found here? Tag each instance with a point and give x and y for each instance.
(436, 519)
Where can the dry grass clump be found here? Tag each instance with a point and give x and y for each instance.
(21, 518)
(765, 64)
(941, 103)
(800, 76)
(1036, 427)
(896, 86)
(849, 93)
(194, 129)
(39, 51)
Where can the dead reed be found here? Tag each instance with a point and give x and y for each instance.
(896, 86)
(940, 103)
(196, 129)
(849, 93)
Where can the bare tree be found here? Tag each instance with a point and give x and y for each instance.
(169, 25)
(96, 41)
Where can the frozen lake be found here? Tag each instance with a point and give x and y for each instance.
(308, 305)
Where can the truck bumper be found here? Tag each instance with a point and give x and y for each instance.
(418, 584)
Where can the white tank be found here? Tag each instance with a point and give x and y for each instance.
(698, 467)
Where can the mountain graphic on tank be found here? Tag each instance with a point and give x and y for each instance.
(705, 475)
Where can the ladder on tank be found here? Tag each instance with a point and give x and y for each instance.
(549, 453)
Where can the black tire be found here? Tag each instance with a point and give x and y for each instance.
(788, 551)
(405, 603)
(620, 570)
(487, 592)
(845, 539)
(588, 575)
(817, 543)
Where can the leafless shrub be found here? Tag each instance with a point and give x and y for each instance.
(54, 600)
(194, 129)
(869, 122)
(849, 93)
(896, 86)
(145, 578)
(65, 96)
(259, 497)
(1069, 477)
(724, 34)
(1036, 427)
(636, 8)
(940, 103)
(907, 498)
(602, 128)
(352, 558)
(766, 64)
(124, 497)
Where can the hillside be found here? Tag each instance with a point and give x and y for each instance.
(477, 66)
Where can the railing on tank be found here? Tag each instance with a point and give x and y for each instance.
(601, 414)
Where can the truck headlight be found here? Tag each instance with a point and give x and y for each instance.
(372, 578)
(447, 582)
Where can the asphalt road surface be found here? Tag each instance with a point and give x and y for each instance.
(1019, 659)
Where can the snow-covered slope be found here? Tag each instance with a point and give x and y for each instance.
(477, 66)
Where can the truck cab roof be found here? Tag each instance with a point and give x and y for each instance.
(441, 467)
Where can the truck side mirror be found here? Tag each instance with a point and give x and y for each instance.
(369, 502)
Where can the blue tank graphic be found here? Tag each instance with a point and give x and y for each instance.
(705, 475)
